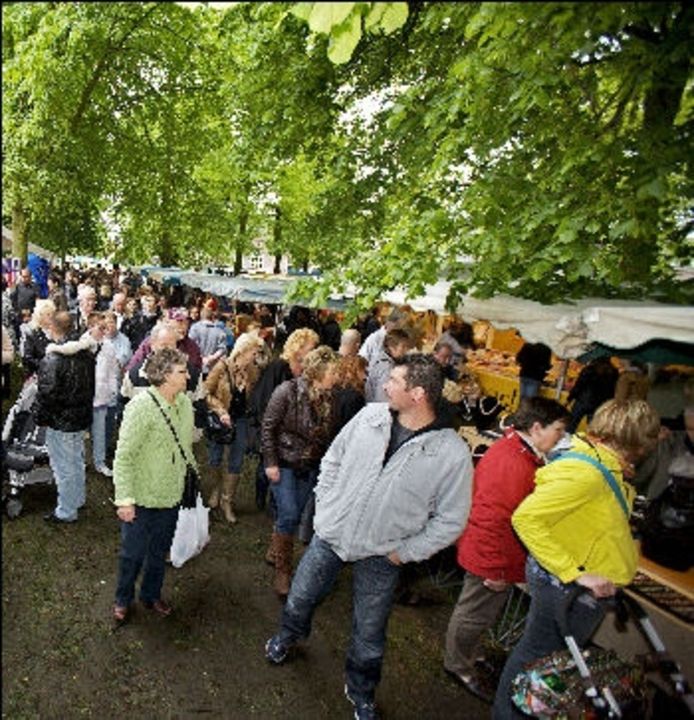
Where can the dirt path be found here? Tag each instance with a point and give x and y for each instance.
(62, 660)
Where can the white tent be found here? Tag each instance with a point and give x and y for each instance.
(569, 329)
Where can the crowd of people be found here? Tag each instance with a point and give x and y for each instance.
(354, 436)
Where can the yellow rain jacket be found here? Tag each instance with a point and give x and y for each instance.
(572, 523)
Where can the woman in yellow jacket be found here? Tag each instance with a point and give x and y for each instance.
(575, 525)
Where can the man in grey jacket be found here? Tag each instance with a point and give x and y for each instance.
(394, 487)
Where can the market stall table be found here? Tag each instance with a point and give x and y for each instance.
(507, 389)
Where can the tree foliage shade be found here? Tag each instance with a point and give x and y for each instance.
(541, 149)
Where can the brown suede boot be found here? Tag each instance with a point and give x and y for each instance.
(271, 554)
(215, 474)
(284, 556)
(226, 501)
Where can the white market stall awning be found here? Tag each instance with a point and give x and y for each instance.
(569, 329)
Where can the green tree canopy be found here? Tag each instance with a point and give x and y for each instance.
(539, 149)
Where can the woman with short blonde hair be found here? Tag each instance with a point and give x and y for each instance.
(33, 344)
(628, 426)
(297, 343)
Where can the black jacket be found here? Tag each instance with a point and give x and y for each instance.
(65, 391)
(138, 327)
(24, 297)
(348, 402)
(35, 343)
(277, 372)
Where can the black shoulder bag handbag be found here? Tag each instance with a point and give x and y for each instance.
(215, 430)
(191, 483)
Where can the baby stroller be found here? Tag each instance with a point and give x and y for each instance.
(25, 456)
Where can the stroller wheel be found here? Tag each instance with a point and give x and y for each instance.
(13, 507)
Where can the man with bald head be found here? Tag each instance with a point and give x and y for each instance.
(118, 307)
(135, 380)
(86, 302)
(350, 342)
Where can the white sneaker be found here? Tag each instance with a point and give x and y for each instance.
(104, 470)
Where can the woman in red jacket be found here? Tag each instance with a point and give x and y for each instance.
(488, 550)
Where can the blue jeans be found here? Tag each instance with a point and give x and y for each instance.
(542, 635)
(237, 449)
(66, 455)
(99, 437)
(373, 586)
(111, 424)
(146, 540)
(291, 494)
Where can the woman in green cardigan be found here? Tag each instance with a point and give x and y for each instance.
(148, 475)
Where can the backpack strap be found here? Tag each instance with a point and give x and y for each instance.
(609, 477)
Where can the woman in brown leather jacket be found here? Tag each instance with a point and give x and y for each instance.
(228, 387)
(296, 431)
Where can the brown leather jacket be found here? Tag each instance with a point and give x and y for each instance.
(292, 435)
(218, 387)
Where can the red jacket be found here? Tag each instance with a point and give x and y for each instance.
(505, 475)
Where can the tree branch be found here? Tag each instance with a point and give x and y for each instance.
(101, 67)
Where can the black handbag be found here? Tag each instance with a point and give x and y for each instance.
(191, 487)
(216, 431)
(191, 481)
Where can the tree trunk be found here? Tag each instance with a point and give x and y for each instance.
(238, 258)
(20, 244)
(277, 241)
(167, 254)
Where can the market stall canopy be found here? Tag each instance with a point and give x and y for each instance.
(245, 288)
(660, 352)
(569, 329)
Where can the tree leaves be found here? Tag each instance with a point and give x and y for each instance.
(342, 22)
(326, 15)
(537, 149)
(344, 39)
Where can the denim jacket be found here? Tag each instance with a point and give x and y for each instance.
(417, 503)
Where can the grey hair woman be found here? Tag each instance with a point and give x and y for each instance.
(154, 447)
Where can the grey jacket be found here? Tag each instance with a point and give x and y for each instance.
(417, 504)
(378, 374)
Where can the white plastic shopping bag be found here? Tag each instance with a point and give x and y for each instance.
(192, 533)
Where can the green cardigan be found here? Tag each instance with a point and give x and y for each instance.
(148, 469)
